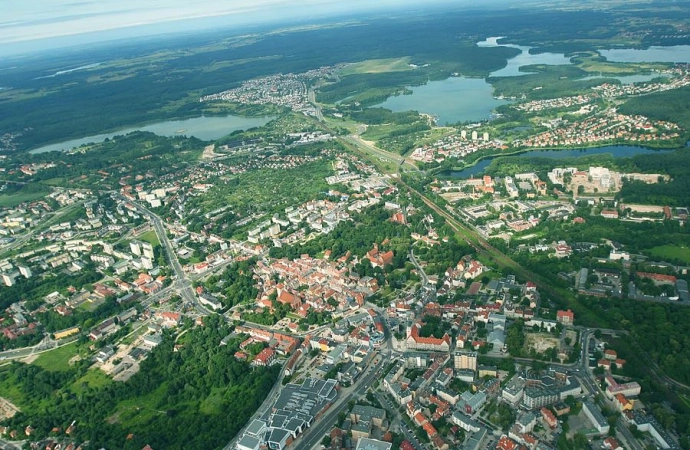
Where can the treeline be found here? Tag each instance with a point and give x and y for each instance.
(136, 153)
(670, 105)
(675, 192)
(237, 283)
(196, 398)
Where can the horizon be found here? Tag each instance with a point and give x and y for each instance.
(62, 24)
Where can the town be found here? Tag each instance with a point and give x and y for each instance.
(344, 303)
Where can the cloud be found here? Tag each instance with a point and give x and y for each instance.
(40, 19)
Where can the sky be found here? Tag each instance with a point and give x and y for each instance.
(32, 24)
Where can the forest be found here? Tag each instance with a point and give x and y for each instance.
(178, 400)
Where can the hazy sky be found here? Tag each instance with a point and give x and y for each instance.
(29, 20)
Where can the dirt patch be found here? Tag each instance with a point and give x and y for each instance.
(7, 409)
(540, 342)
(29, 359)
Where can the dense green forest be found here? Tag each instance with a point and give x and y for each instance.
(178, 400)
(673, 106)
(672, 193)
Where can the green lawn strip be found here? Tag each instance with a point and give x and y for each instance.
(57, 359)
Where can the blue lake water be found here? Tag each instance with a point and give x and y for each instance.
(618, 151)
(512, 69)
(204, 128)
(672, 54)
(455, 99)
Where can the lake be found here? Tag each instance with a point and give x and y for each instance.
(455, 99)
(204, 128)
(618, 151)
(672, 54)
(512, 69)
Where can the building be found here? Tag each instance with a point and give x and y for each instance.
(465, 422)
(627, 389)
(417, 342)
(565, 317)
(66, 333)
(363, 418)
(595, 416)
(25, 271)
(372, 444)
(265, 357)
(609, 213)
(465, 360)
(549, 418)
(473, 402)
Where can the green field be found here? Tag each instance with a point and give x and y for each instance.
(10, 387)
(150, 237)
(681, 253)
(58, 359)
(94, 379)
(10, 201)
(378, 66)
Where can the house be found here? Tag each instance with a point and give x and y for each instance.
(549, 418)
(565, 317)
(505, 443)
(265, 357)
(378, 259)
(609, 213)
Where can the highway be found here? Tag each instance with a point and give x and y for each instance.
(383, 155)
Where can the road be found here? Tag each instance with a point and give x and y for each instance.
(312, 436)
(312, 99)
(414, 261)
(397, 421)
(182, 284)
(383, 155)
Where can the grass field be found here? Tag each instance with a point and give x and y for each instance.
(150, 237)
(9, 387)
(137, 411)
(681, 253)
(58, 359)
(9, 201)
(94, 379)
(378, 66)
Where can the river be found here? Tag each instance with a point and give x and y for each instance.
(204, 128)
(618, 151)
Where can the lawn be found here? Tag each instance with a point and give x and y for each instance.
(150, 237)
(94, 379)
(10, 201)
(58, 359)
(378, 66)
(681, 253)
(137, 411)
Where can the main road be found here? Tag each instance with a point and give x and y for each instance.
(182, 283)
(315, 434)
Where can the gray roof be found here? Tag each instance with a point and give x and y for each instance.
(372, 444)
(249, 442)
(256, 427)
